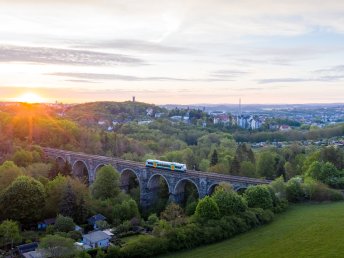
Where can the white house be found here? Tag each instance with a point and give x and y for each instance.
(96, 239)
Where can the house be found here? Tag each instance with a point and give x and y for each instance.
(285, 128)
(33, 254)
(27, 250)
(42, 225)
(96, 239)
(94, 219)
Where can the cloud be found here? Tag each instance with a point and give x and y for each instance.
(131, 44)
(227, 74)
(332, 74)
(115, 77)
(281, 80)
(120, 77)
(44, 55)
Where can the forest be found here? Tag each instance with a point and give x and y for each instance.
(34, 188)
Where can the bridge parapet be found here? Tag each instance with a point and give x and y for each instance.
(204, 182)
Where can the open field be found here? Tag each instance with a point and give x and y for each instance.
(308, 230)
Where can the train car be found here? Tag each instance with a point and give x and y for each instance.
(173, 166)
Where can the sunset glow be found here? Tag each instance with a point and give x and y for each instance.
(30, 98)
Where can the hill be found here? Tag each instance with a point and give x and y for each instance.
(304, 231)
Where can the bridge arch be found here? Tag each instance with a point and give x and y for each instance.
(154, 181)
(81, 171)
(60, 161)
(211, 188)
(240, 189)
(160, 191)
(130, 183)
(179, 189)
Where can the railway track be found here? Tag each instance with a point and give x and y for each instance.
(193, 173)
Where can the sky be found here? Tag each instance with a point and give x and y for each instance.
(173, 52)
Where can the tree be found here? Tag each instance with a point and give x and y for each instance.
(172, 212)
(229, 202)
(279, 188)
(258, 197)
(9, 233)
(333, 155)
(54, 189)
(8, 173)
(23, 200)
(106, 184)
(294, 189)
(235, 166)
(207, 209)
(247, 168)
(68, 204)
(64, 224)
(265, 166)
(214, 158)
(57, 246)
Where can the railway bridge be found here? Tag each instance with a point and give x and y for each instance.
(86, 166)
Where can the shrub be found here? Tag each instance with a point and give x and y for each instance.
(207, 209)
(264, 216)
(295, 192)
(279, 187)
(145, 246)
(229, 202)
(258, 197)
(64, 224)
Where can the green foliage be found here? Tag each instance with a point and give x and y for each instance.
(106, 184)
(68, 203)
(295, 192)
(9, 233)
(8, 173)
(214, 158)
(247, 168)
(64, 224)
(172, 212)
(23, 158)
(229, 202)
(207, 209)
(326, 173)
(333, 155)
(23, 200)
(125, 210)
(279, 187)
(265, 166)
(152, 219)
(57, 246)
(303, 231)
(145, 246)
(75, 235)
(38, 170)
(258, 197)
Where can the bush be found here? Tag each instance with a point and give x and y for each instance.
(207, 209)
(75, 235)
(258, 197)
(295, 191)
(229, 202)
(264, 216)
(64, 224)
(323, 193)
(145, 246)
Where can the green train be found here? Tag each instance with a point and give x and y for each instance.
(173, 166)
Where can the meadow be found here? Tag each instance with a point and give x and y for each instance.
(305, 230)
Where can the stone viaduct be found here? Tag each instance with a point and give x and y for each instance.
(86, 166)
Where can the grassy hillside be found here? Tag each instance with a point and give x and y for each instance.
(303, 231)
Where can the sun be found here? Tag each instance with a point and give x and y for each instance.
(30, 97)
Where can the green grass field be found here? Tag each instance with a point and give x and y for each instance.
(311, 230)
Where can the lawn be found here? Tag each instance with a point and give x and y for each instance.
(308, 230)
